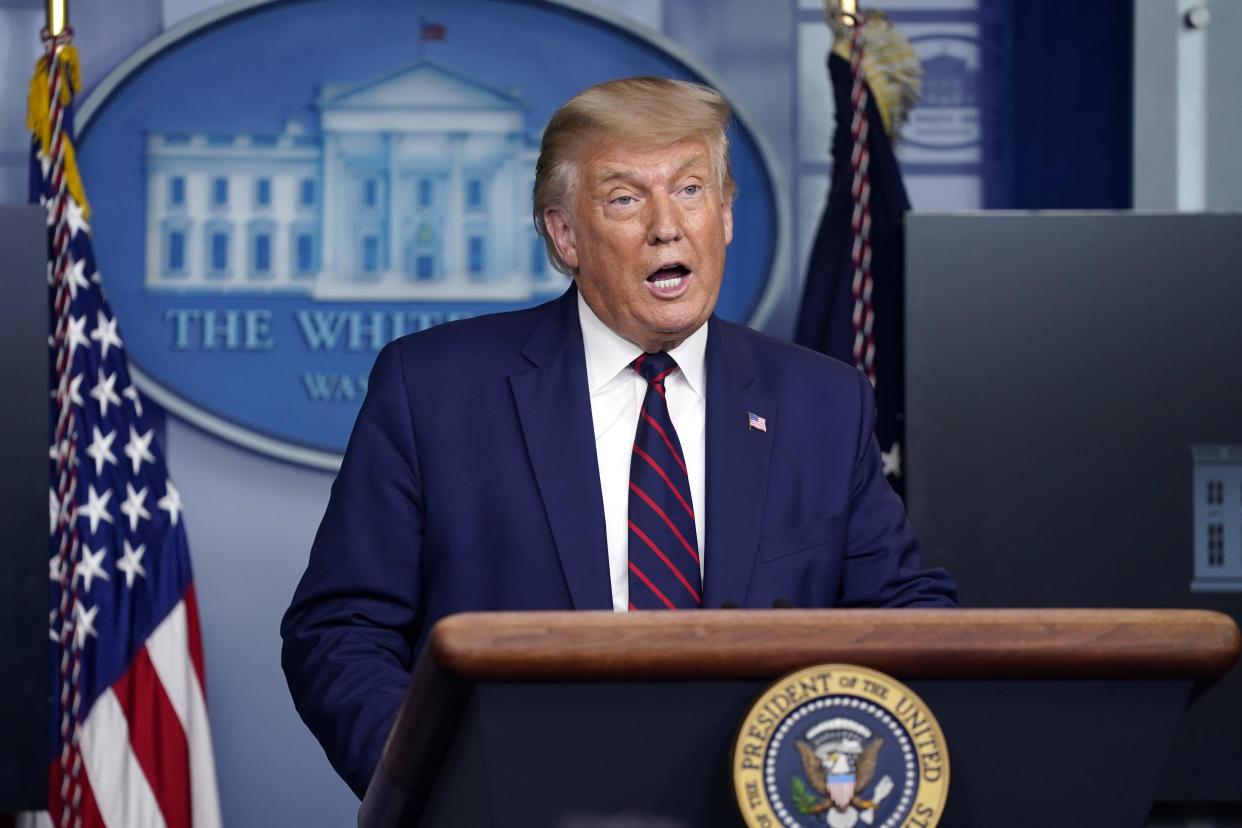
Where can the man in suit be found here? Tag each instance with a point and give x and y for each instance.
(490, 465)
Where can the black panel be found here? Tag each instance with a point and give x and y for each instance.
(1080, 753)
(24, 652)
(1059, 368)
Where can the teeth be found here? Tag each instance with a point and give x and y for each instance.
(665, 284)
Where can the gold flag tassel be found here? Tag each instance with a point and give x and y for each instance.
(39, 115)
(890, 65)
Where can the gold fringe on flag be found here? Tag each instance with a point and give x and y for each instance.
(39, 115)
(890, 65)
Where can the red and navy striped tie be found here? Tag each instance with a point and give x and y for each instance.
(664, 549)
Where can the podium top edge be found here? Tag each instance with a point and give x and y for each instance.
(906, 643)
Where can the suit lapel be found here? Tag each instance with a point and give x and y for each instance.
(737, 466)
(554, 408)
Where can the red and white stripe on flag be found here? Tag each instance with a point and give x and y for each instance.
(146, 742)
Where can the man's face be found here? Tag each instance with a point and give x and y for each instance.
(646, 230)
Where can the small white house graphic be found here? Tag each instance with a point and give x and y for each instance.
(416, 186)
(1218, 518)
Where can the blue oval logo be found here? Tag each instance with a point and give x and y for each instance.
(949, 112)
(281, 189)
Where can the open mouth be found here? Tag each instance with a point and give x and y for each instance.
(669, 276)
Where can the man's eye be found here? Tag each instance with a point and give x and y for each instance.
(692, 189)
(624, 201)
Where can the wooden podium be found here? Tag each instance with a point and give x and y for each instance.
(1052, 717)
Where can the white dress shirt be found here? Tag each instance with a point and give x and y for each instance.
(617, 393)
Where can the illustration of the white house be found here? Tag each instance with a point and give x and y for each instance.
(416, 187)
(949, 81)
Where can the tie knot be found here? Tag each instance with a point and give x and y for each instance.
(654, 367)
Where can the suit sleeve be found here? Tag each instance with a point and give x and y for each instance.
(883, 560)
(349, 632)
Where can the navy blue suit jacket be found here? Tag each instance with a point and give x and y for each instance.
(470, 483)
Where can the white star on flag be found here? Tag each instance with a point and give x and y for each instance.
(131, 563)
(75, 393)
(131, 393)
(171, 501)
(77, 276)
(76, 218)
(105, 334)
(76, 335)
(138, 448)
(91, 567)
(891, 461)
(96, 508)
(84, 624)
(104, 392)
(133, 506)
(100, 449)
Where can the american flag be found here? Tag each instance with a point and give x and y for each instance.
(756, 422)
(130, 739)
(432, 31)
(834, 315)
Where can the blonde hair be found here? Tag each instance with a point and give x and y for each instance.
(643, 111)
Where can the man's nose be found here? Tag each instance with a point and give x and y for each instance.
(665, 220)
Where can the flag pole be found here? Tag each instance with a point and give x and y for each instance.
(60, 84)
(57, 16)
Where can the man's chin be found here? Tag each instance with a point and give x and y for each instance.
(675, 333)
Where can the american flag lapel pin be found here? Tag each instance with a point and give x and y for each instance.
(756, 422)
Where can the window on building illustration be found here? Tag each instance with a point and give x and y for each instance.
(476, 257)
(218, 251)
(425, 268)
(370, 254)
(424, 192)
(176, 253)
(1216, 544)
(370, 192)
(308, 192)
(474, 194)
(263, 192)
(1216, 492)
(176, 191)
(262, 255)
(304, 253)
(220, 191)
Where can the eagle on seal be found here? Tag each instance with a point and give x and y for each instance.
(838, 776)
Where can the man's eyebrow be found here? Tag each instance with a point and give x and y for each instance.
(623, 173)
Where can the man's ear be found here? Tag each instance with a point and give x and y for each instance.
(556, 220)
(727, 215)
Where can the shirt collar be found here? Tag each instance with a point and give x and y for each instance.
(608, 353)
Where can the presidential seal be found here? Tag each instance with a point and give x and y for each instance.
(842, 746)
